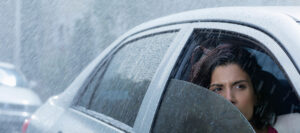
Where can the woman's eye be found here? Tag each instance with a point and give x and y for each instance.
(240, 86)
(217, 89)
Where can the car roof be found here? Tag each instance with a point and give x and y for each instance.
(292, 11)
(227, 14)
(280, 23)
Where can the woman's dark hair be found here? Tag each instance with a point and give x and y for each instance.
(224, 54)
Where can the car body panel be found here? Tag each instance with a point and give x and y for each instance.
(75, 117)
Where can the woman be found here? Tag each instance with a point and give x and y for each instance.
(234, 73)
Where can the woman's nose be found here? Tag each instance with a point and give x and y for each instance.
(229, 95)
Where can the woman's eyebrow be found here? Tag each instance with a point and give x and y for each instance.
(234, 83)
(239, 81)
(217, 85)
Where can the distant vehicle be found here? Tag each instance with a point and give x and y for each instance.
(140, 82)
(10, 76)
(17, 101)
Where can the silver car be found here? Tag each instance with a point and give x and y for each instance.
(17, 100)
(140, 82)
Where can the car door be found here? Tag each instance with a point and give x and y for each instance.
(110, 98)
(271, 55)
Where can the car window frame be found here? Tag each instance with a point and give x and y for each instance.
(159, 35)
(139, 35)
(152, 97)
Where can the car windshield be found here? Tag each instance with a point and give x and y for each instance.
(12, 78)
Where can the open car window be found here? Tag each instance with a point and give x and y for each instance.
(278, 87)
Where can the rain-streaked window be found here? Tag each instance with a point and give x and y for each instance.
(188, 108)
(119, 91)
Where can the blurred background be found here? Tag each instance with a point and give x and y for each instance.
(51, 41)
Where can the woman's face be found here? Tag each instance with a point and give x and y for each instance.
(235, 85)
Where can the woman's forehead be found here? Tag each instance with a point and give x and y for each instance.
(230, 73)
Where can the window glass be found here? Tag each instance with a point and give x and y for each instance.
(267, 64)
(118, 88)
(188, 108)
